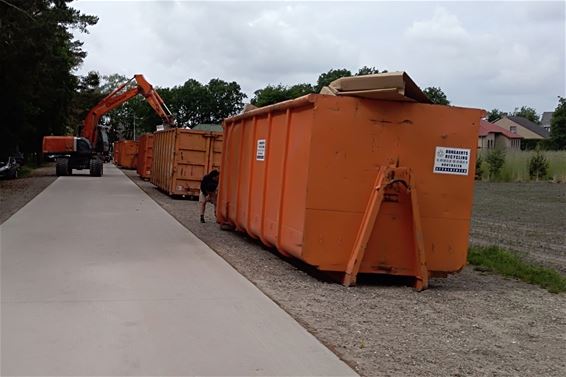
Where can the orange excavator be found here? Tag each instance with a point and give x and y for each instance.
(87, 151)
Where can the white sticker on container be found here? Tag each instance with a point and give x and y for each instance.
(260, 154)
(452, 161)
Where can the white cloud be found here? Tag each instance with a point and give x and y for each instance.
(503, 54)
(474, 66)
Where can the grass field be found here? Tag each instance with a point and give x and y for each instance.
(496, 259)
(516, 167)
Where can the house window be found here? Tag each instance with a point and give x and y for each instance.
(513, 129)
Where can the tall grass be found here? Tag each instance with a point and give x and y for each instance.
(516, 167)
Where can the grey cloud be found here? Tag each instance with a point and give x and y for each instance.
(504, 55)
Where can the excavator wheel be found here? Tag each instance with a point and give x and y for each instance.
(96, 167)
(62, 167)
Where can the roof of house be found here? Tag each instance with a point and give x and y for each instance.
(487, 128)
(208, 127)
(529, 125)
(546, 117)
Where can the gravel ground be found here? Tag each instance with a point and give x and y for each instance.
(16, 193)
(471, 323)
(526, 217)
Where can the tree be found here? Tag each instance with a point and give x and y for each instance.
(436, 95)
(326, 78)
(558, 125)
(223, 99)
(494, 115)
(527, 112)
(538, 165)
(38, 55)
(300, 90)
(277, 93)
(479, 168)
(87, 95)
(365, 70)
(495, 160)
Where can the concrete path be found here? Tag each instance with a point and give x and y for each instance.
(97, 279)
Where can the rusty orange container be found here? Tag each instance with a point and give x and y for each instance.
(126, 154)
(145, 155)
(116, 150)
(181, 157)
(353, 185)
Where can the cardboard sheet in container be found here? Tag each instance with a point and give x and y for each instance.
(390, 86)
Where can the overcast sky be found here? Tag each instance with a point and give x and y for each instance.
(482, 54)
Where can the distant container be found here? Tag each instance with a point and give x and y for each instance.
(354, 185)
(116, 152)
(145, 155)
(181, 157)
(126, 154)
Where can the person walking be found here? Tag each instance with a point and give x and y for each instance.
(208, 187)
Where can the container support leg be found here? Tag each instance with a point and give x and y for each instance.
(368, 221)
(385, 177)
(421, 276)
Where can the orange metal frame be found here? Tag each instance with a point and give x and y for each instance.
(386, 178)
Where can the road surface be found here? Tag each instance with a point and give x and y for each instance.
(97, 279)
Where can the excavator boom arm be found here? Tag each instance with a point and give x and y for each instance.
(116, 98)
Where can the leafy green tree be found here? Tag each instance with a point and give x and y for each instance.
(494, 115)
(223, 99)
(37, 56)
(527, 112)
(558, 125)
(495, 160)
(277, 93)
(88, 94)
(326, 78)
(365, 70)
(479, 168)
(300, 90)
(538, 165)
(436, 95)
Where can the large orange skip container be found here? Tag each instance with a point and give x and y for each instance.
(145, 155)
(353, 185)
(181, 157)
(126, 154)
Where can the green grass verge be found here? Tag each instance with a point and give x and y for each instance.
(495, 259)
(25, 170)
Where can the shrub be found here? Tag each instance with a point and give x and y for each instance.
(479, 168)
(495, 160)
(538, 166)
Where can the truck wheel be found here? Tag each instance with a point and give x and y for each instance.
(62, 167)
(96, 167)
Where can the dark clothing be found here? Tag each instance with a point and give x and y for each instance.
(208, 184)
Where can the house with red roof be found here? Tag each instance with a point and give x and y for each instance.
(492, 136)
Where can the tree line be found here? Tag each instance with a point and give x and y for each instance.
(38, 54)
(41, 95)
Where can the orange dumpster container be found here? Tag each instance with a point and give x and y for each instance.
(354, 185)
(181, 157)
(126, 154)
(145, 155)
(116, 149)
